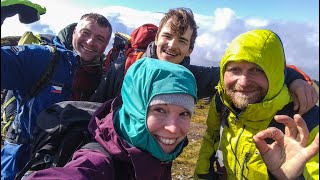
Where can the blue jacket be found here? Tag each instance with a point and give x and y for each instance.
(22, 66)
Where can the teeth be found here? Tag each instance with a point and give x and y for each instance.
(87, 49)
(170, 53)
(167, 141)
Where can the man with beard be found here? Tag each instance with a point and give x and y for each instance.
(175, 41)
(251, 96)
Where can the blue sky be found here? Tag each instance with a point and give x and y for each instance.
(219, 21)
(295, 10)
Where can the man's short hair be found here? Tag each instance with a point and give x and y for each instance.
(100, 19)
(183, 18)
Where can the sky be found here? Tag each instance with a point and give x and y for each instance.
(219, 21)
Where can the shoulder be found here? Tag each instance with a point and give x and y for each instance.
(92, 159)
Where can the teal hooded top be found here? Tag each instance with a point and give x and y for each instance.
(145, 79)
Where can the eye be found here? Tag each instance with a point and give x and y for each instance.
(85, 33)
(159, 110)
(234, 70)
(185, 114)
(166, 36)
(183, 41)
(101, 40)
(259, 70)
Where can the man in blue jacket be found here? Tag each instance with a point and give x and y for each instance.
(23, 66)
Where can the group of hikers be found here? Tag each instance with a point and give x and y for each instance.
(263, 121)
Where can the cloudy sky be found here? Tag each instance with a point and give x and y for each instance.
(295, 21)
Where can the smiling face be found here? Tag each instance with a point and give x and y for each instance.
(245, 83)
(169, 124)
(90, 40)
(171, 46)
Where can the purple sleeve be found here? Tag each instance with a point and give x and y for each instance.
(85, 164)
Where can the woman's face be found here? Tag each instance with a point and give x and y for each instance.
(169, 124)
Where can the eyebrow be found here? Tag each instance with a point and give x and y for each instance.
(180, 37)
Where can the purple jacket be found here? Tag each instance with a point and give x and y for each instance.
(125, 161)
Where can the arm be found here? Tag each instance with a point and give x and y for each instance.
(22, 66)
(286, 158)
(209, 144)
(207, 78)
(84, 165)
(304, 95)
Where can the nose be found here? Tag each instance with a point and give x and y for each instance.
(243, 80)
(90, 40)
(172, 124)
(172, 43)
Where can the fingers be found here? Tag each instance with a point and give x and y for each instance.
(295, 128)
(303, 134)
(272, 133)
(313, 148)
(291, 127)
(295, 102)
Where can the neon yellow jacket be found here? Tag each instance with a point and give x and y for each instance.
(240, 156)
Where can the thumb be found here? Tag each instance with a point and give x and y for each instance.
(295, 102)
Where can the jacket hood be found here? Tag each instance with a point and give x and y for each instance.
(145, 79)
(65, 35)
(264, 48)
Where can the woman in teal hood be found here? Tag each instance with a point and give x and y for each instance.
(139, 133)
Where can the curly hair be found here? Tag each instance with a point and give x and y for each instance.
(183, 18)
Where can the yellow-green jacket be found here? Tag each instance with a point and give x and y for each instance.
(240, 156)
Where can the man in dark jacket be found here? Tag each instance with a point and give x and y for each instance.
(22, 66)
(175, 41)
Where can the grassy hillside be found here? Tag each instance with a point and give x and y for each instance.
(184, 165)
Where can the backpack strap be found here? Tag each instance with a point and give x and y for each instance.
(7, 115)
(97, 146)
(45, 77)
(286, 110)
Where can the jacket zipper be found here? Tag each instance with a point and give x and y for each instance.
(244, 164)
(235, 153)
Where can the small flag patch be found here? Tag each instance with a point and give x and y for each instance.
(56, 89)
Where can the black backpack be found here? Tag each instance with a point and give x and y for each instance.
(60, 131)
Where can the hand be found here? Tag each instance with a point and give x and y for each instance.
(304, 96)
(287, 156)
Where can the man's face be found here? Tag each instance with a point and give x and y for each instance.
(169, 124)
(90, 40)
(172, 47)
(245, 83)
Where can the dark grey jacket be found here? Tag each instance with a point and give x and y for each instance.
(207, 77)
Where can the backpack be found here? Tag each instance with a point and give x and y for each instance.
(9, 104)
(140, 39)
(121, 43)
(308, 79)
(118, 62)
(60, 130)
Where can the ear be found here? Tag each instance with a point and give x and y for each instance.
(190, 51)
(156, 40)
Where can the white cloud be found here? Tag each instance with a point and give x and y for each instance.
(301, 40)
(256, 23)
(222, 18)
